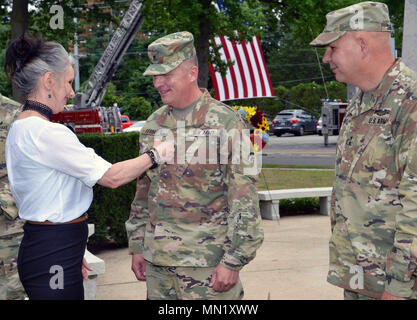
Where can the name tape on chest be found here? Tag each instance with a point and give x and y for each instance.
(376, 120)
(190, 133)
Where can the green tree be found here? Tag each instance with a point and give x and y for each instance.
(201, 18)
(5, 84)
(36, 21)
(305, 19)
(285, 40)
(111, 97)
(292, 64)
(269, 106)
(336, 90)
(309, 96)
(137, 108)
(292, 60)
(129, 78)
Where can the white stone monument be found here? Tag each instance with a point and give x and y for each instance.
(98, 266)
(409, 50)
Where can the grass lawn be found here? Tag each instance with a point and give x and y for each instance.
(279, 178)
(295, 166)
(274, 177)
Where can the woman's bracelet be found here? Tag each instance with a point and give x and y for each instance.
(157, 156)
(151, 155)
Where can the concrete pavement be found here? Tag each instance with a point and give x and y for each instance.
(291, 264)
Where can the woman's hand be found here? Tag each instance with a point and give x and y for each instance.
(84, 269)
(165, 150)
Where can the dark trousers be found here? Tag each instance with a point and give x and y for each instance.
(50, 260)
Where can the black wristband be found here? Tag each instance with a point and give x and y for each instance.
(152, 157)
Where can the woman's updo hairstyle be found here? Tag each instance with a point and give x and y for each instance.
(28, 59)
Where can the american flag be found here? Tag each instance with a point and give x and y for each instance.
(248, 76)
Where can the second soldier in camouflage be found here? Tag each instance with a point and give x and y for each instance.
(373, 247)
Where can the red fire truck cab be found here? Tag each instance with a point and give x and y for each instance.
(90, 120)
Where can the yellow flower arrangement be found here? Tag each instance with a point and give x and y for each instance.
(256, 118)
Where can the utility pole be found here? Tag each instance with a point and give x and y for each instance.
(409, 53)
(77, 57)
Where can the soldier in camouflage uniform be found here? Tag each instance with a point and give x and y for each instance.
(373, 247)
(194, 223)
(11, 232)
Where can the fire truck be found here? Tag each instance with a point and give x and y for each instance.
(90, 120)
(87, 115)
(332, 115)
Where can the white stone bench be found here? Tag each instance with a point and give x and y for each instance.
(269, 200)
(98, 266)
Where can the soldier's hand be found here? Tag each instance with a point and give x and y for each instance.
(388, 296)
(223, 279)
(139, 266)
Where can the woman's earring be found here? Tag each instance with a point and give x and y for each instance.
(49, 96)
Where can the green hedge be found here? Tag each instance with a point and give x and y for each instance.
(110, 208)
(290, 207)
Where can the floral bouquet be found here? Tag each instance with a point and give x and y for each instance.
(256, 118)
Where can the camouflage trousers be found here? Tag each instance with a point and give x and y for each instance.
(351, 295)
(10, 286)
(185, 283)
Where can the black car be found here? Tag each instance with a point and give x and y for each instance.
(293, 121)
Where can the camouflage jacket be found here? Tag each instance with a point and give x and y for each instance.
(373, 246)
(9, 221)
(196, 214)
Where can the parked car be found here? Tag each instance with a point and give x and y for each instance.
(137, 126)
(126, 122)
(294, 121)
(319, 127)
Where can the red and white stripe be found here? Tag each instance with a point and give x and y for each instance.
(248, 76)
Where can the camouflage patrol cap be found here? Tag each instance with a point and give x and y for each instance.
(168, 52)
(364, 16)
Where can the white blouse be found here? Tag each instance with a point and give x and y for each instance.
(51, 172)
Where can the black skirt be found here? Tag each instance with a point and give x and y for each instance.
(50, 259)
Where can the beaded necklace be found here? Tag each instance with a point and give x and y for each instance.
(38, 107)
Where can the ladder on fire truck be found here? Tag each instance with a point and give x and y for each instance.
(94, 90)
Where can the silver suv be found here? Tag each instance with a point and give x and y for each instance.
(294, 121)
